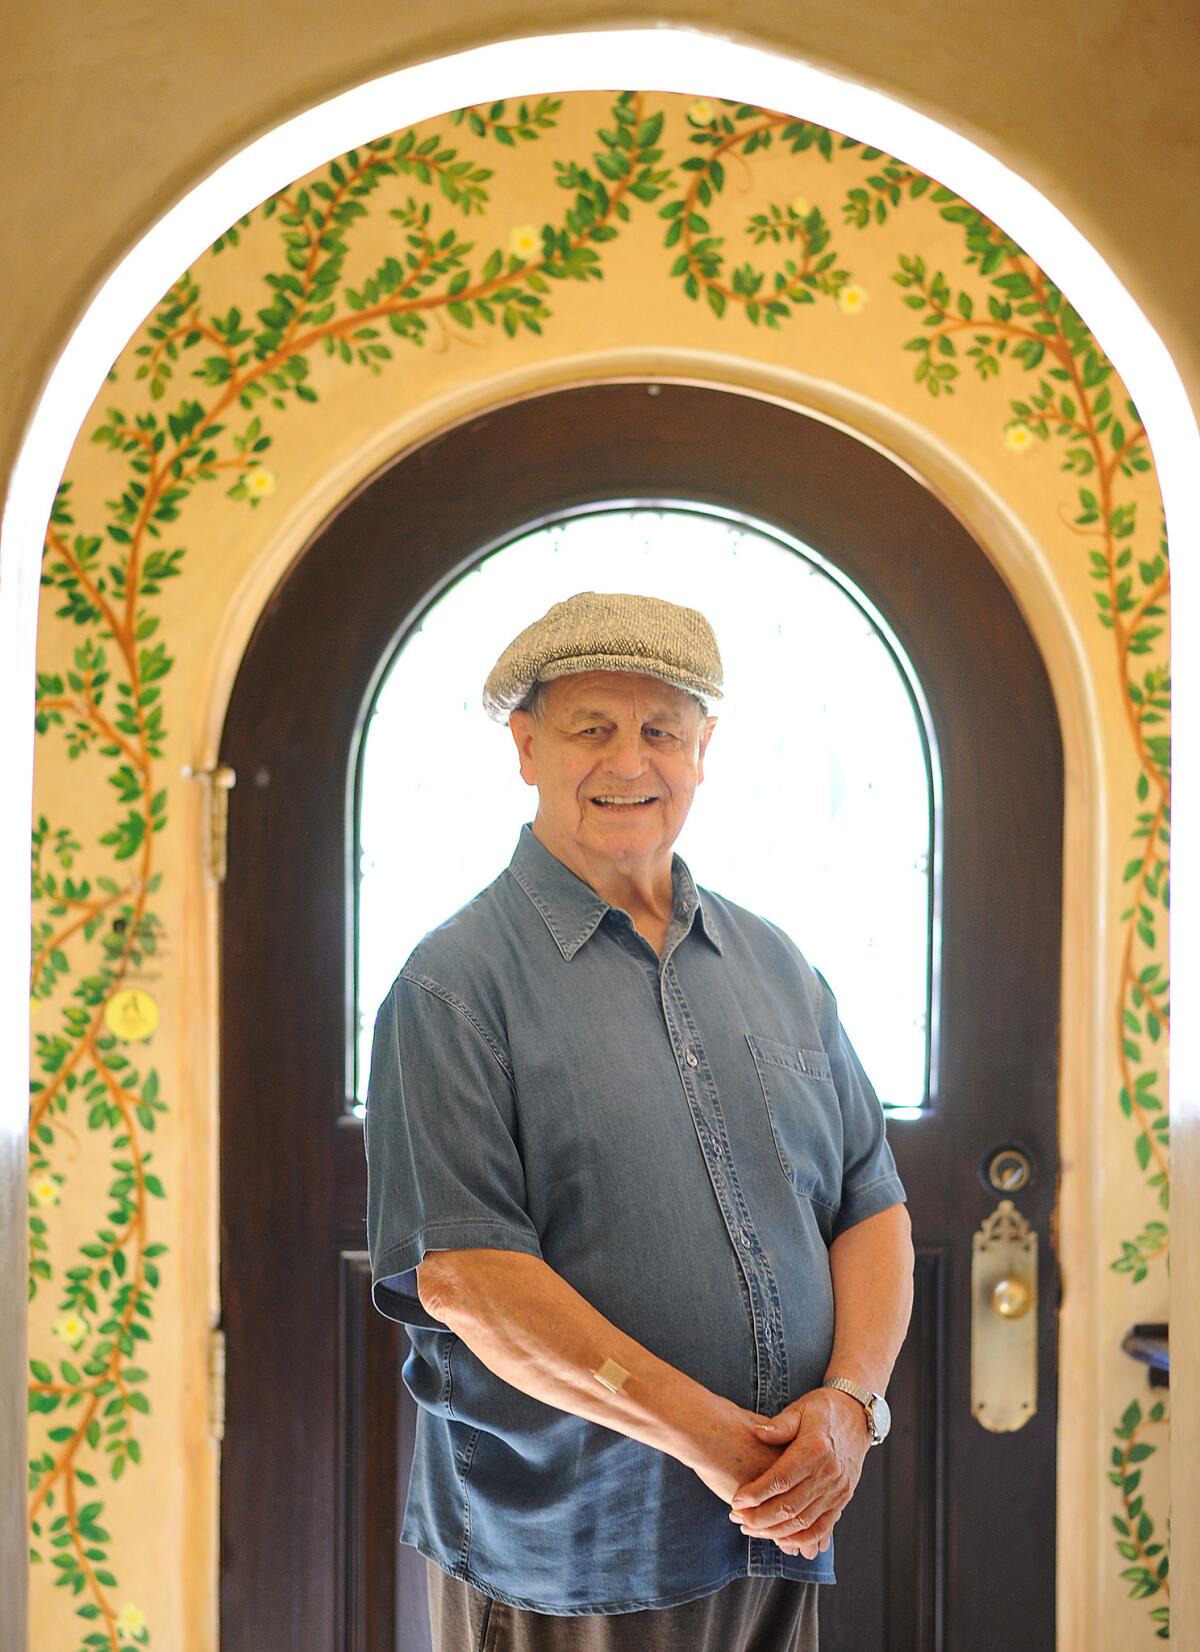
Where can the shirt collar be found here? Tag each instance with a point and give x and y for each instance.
(571, 908)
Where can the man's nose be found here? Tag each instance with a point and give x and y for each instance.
(627, 753)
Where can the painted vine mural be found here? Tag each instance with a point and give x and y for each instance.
(199, 409)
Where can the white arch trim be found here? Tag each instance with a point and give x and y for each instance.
(668, 58)
(672, 59)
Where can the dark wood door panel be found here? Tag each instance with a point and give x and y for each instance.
(383, 1583)
(889, 1596)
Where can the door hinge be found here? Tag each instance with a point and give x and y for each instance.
(220, 779)
(216, 1382)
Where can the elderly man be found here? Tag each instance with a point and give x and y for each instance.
(629, 1189)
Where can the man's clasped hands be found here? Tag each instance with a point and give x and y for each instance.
(789, 1477)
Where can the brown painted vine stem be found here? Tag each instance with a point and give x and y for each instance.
(948, 323)
(1164, 1583)
(160, 471)
(90, 909)
(110, 1617)
(63, 1467)
(1161, 589)
(86, 1044)
(120, 634)
(136, 1223)
(91, 712)
(1106, 470)
(193, 325)
(1127, 975)
(1122, 636)
(292, 344)
(122, 630)
(732, 141)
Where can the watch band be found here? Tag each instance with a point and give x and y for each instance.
(865, 1397)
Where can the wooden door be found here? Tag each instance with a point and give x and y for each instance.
(949, 1544)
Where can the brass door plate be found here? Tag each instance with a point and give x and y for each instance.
(1004, 1321)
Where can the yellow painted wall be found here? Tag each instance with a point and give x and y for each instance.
(846, 353)
(114, 112)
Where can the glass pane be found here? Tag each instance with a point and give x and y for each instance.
(820, 801)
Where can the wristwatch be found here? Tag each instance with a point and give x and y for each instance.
(879, 1415)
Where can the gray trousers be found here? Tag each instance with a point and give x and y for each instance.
(750, 1614)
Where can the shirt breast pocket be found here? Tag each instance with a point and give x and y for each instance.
(805, 1118)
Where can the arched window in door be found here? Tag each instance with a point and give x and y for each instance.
(821, 804)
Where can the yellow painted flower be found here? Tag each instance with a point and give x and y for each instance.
(70, 1328)
(701, 112)
(43, 1190)
(1018, 437)
(852, 297)
(131, 1619)
(800, 205)
(524, 241)
(260, 482)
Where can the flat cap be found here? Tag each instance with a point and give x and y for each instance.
(608, 631)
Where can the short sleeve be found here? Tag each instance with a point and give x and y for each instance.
(444, 1171)
(870, 1180)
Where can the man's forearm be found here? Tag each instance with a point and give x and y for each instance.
(872, 1269)
(533, 1329)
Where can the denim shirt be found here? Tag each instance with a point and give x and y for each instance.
(681, 1138)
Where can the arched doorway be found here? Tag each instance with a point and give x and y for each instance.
(316, 1422)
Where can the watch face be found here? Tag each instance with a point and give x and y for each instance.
(882, 1414)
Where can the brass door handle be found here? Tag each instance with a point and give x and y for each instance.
(1011, 1298)
(1004, 1321)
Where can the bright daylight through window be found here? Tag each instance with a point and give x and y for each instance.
(821, 799)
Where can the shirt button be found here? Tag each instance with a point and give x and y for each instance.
(691, 1059)
(745, 1240)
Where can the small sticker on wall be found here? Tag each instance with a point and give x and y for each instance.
(131, 1013)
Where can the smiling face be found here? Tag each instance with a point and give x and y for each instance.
(616, 760)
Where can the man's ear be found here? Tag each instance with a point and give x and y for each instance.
(523, 726)
(710, 723)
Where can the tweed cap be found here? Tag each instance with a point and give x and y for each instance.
(608, 631)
